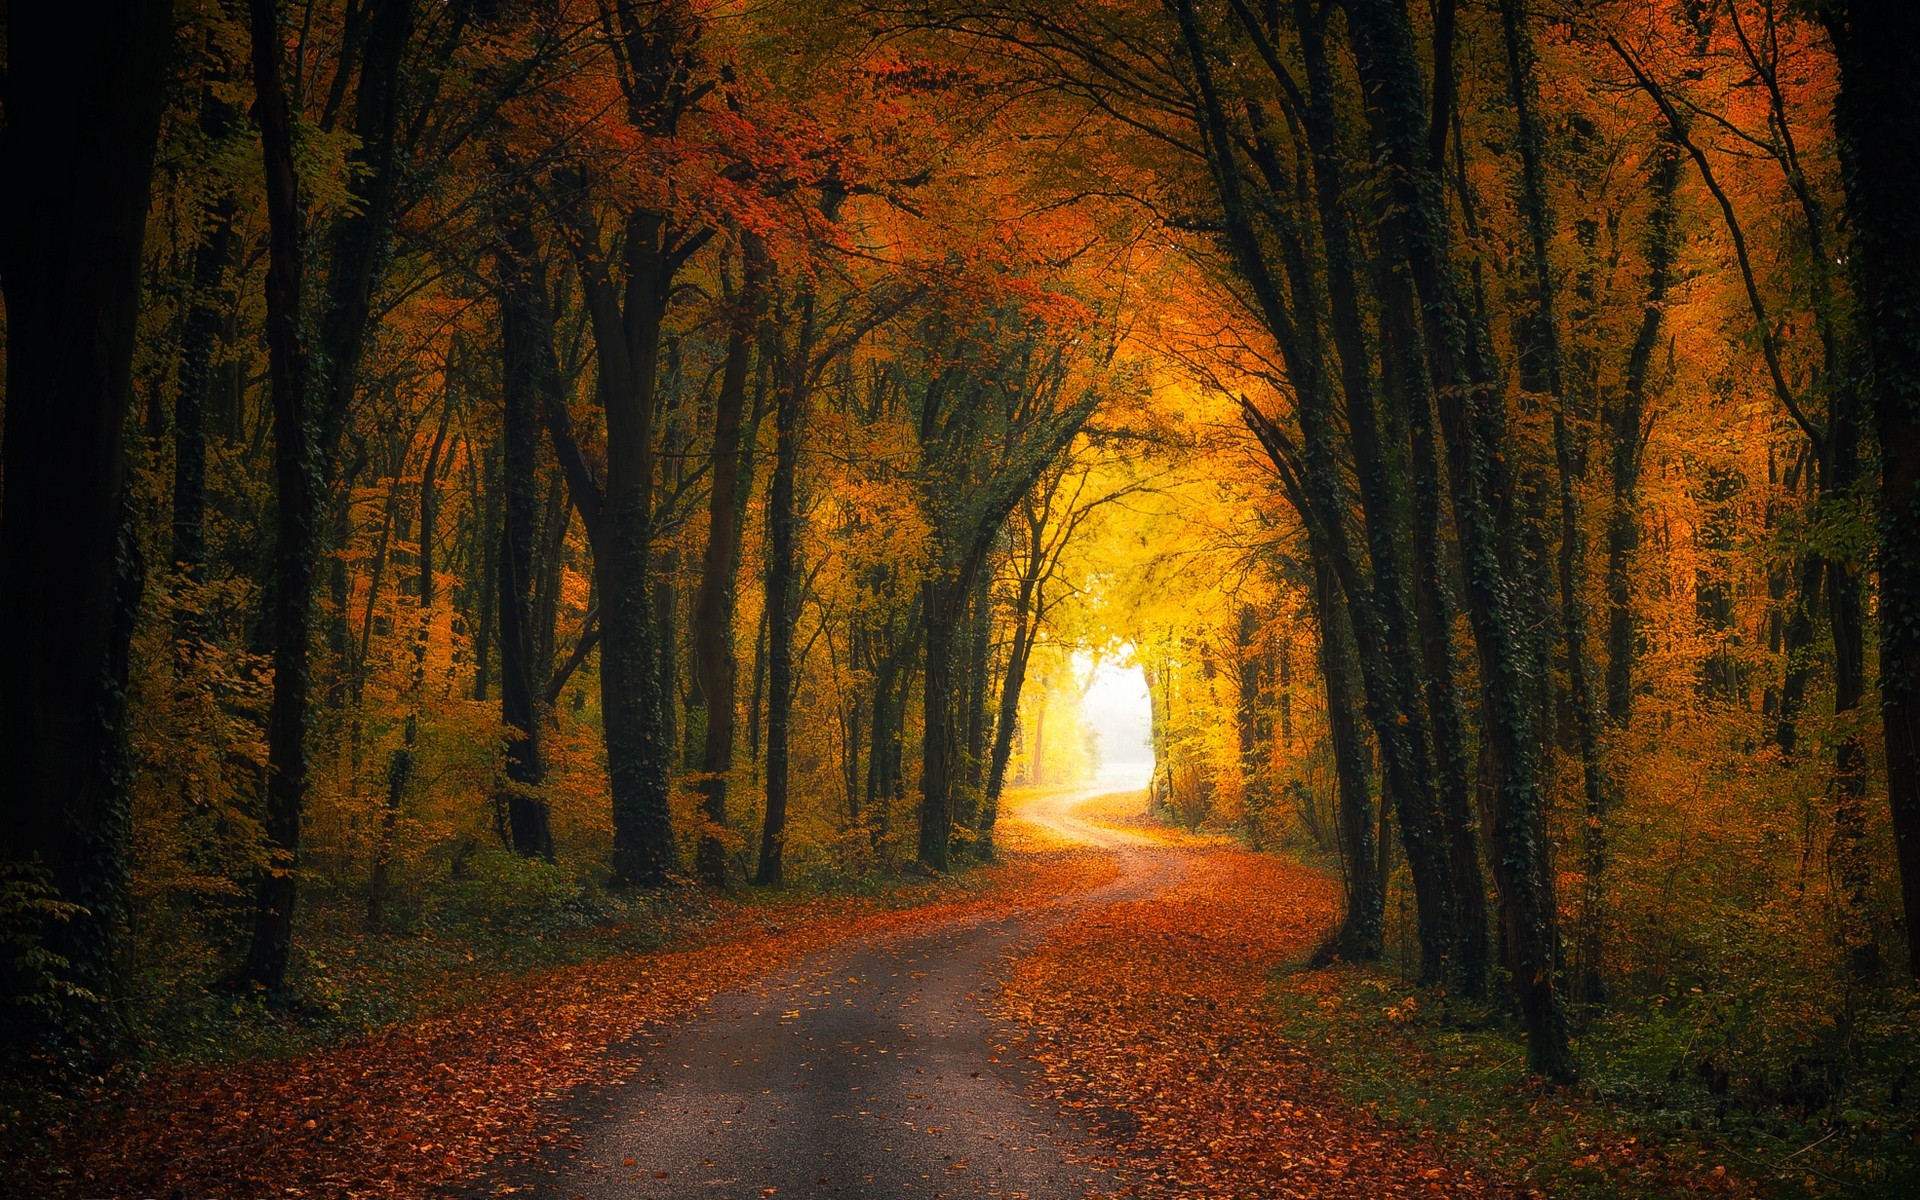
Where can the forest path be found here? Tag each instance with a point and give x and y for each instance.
(865, 1070)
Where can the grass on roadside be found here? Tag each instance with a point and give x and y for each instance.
(507, 917)
(1645, 1122)
(466, 1027)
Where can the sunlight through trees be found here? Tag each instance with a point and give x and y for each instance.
(489, 471)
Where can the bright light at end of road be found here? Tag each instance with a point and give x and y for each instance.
(1116, 708)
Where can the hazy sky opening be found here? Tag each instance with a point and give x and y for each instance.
(1116, 708)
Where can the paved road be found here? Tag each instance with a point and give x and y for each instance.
(869, 1071)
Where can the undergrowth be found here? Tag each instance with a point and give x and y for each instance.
(1657, 1111)
(505, 916)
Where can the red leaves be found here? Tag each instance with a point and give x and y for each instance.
(1150, 1017)
(434, 1101)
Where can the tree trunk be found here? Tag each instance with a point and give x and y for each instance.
(945, 601)
(1878, 48)
(783, 580)
(1316, 487)
(631, 701)
(1362, 927)
(1878, 44)
(973, 704)
(487, 578)
(715, 667)
(1623, 522)
(666, 643)
(295, 540)
(892, 681)
(850, 712)
(1523, 94)
(1253, 750)
(1408, 415)
(84, 92)
(528, 368)
(305, 438)
(1008, 716)
(1417, 230)
(757, 701)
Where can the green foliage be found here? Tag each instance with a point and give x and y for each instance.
(454, 942)
(514, 896)
(1672, 1094)
(39, 978)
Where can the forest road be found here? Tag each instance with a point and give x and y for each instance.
(868, 1070)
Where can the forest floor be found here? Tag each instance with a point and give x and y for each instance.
(1107, 1012)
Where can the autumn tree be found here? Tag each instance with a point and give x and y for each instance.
(991, 414)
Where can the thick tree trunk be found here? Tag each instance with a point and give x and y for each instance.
(1473, 425)
(1440, 724)
(1316, 490)
(84, 91)
(1878, 44)
(944, 600)
(311, 399)
(971, 786)
(716, 668)
(295, 540)
(783, 588)
(527, 369)
(627, 338)
(1360, 937)
(1536, 215)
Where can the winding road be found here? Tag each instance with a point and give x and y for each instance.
(868, 1070)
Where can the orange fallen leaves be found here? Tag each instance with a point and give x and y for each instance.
(1150, 1018)
(433, 1101)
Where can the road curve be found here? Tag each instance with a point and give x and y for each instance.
(867, 1070)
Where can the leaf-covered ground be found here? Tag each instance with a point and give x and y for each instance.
(1163, 1017)
(1153, 1018)
(434, 1100)
(1397, 1050)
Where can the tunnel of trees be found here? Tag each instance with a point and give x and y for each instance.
(630, 443)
